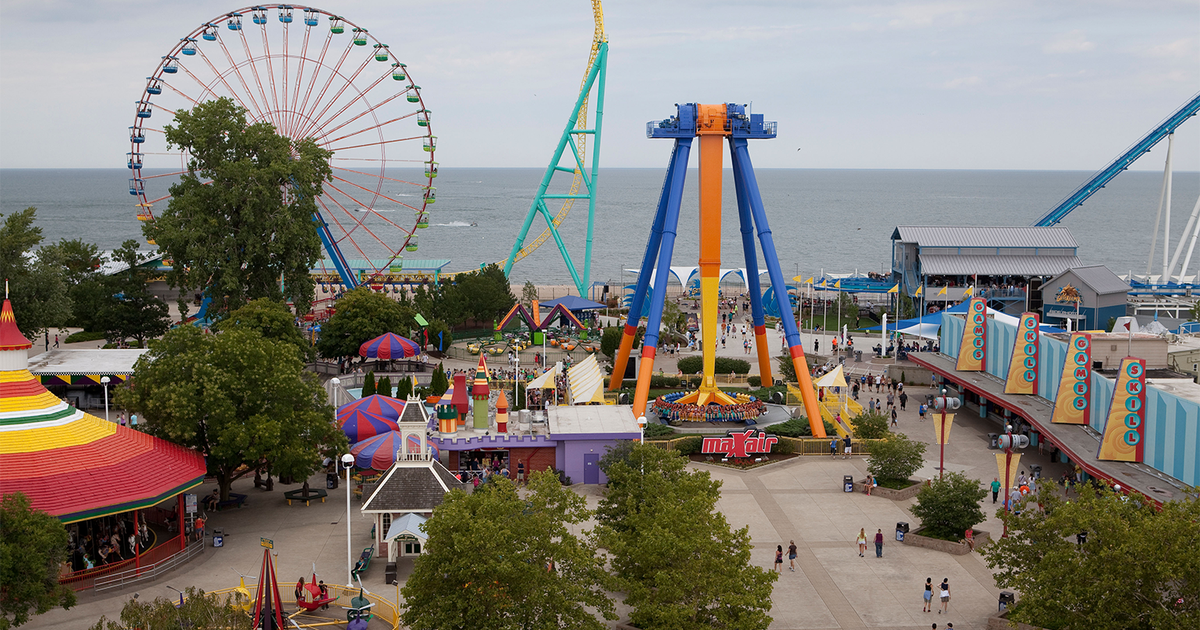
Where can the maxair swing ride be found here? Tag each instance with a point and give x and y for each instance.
(713, 125)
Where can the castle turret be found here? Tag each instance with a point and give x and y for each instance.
(502, 413)
(480, 393)
(446, 414)
(459, 398)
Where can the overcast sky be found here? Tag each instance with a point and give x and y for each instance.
(960, 84)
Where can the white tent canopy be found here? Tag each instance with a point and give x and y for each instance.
(547, 378)
(586, 381)
(833, 379)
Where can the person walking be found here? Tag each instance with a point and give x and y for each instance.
(995, 489)
(928, 595)
(833, 446)
(944, 594)
(879, 543)
(894, 417)
(846, 444)
(779, 558)
(903, 399)
(862, 542)
(792, 555)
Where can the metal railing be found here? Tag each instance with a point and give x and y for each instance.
(150, 571)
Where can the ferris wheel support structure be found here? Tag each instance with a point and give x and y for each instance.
(574, 135)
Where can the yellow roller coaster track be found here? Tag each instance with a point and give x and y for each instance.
(580, 139)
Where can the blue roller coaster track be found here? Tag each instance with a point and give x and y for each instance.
(1100, 179)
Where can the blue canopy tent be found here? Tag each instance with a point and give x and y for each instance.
(572, 303)
(928, 325)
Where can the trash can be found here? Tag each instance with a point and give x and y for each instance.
(331, 481)
(848, 483)
(1007, 598)
(218, 537)
(993, 440)
(858, 356)
(1035, 471)
(389, 573)
(901, 530)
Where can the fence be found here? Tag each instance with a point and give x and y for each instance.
(155, 563)
(384, 611)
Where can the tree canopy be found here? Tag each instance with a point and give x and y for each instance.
(125, 308)
(895, 458)
(949, 506)
(241, 216)
(37, 282)
(674, 555)
(1136, 570)
(33, 546)
(481, 295)
(362, 315)
(236, 397)
(199, 610)
(499, 561)
(271, 319)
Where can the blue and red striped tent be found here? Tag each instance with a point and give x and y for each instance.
(379, 452)
(359, 425)
(377, 404)
(389, 346)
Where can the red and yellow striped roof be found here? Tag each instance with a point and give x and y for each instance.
(74, 465)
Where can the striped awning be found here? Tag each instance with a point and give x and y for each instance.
(74, 465)
(586, 381)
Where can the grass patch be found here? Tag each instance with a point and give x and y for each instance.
(896, 484)
(84, 335)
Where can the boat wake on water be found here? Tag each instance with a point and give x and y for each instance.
(456, 224)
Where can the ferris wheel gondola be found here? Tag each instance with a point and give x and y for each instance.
(307, 82)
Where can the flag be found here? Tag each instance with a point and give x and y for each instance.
(810, 280)
(943, 291)
(837, 285)
(970, 291)
(895, 289)
(919, 289)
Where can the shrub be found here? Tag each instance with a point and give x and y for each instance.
(895, 457)
(755, 381)
(368, 387)
(787, 370)
(725, 365)
(654, 430)
(796, 427)
(783, 447)
(949, 506)
(689, 446)
(691, 364)
(384, 388)
(84, 336)
(870, 425)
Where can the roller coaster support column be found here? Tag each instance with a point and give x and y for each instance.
(741, 163)
(643, 280)
(674, 188)
(746, 221)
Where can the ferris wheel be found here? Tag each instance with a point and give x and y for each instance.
(309, 73)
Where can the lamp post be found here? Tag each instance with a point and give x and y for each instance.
(642, 429)
(336, 382)
(348, 462)
(104, 380)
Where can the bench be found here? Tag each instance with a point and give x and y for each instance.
(298, 495)
(235, 500)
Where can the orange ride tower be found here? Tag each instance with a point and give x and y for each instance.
(712, 124)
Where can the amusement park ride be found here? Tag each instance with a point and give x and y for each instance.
(712, 124)
(346, 90)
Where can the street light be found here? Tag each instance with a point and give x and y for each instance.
(642, 429)
(336, 382)
(348, 462)
(104, 380)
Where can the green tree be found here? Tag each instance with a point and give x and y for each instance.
(787, 369)
(870, 425)
(37, 283)
(481, 295)
(129, 310)
(529, 293)
(33, 547)
(438, 383)
(610, 339)
(240, 216)
(361, 316)
(673, 553)
(271, 319)
(236, 398)
(369, 388)
(199, 610)
(497, 560)
(949, 506)
(81, 264)
(385, 387)
(1137, 570)
(438, 327)
(895, 458)
(404, 388)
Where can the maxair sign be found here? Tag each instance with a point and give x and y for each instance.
(739, 444)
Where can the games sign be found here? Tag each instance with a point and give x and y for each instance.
(973, 351)
(1124, 429)
(1023, 368)
(739, 444)
(1074, 400)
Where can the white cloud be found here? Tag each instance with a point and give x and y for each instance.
(962, 82)
(1071, 42)
(1178, 49)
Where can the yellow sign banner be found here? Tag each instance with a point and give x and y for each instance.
(938, 434)
(1014, 462)
(973, 350)
(1023, 368)
(1073, 403)
(1123, 429)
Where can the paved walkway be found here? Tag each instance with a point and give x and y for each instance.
(798, 499)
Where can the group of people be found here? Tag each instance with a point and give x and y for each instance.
(104, 541)
(673, 412)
